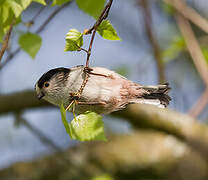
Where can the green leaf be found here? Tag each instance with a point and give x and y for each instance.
(40, 1)
(106, 30)
(87, 127)
(25, 3)
(5, 12)
(167, 8)
(91, 7)
(176, 46)
(74, 40)
(30, 43)
(2, 2)
(16, 6)
(63, 117)
(205, 53)
(103, 177)
(59, 2)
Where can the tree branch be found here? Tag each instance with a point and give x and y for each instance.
(6, 41)
(201, 103)
(140, 115)
(93, 30)
(189, 13)
(182, 126)
(35, 131)
(197, 57)
(88, 70)
(150, 155)
(153, 41)
(193, 47)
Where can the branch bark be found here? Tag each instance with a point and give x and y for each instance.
(193, 47)
(141, 116)
(140, 154)
(198, 59)
(201, 103)
(153, 41)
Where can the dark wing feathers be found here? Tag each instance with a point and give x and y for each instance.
(158, 92)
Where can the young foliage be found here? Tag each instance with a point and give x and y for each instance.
(40, 1)
(167, 8)
(176, 46)
(30, 43)
(63, 117)
(10, 11)
(91, 7)
(205, 53)
(106, 30)
(74, 40)
(87, 127)
(59, 2)
(18, 6)
(103, 177)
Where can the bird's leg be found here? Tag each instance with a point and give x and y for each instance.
(75, 97)
(89, 71)
(91, 103)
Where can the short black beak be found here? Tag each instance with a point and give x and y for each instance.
(40, 95)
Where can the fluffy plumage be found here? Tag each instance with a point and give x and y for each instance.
(102, 94)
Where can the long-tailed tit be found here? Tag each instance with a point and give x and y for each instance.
(105, 91)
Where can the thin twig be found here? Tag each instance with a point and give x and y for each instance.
(153, 40)
(92, 30)
(38, 13)
(83, 50)
(32, 21)
(6, 40)
(42, 137)
(193, 47)
(197, 57)
(39, 30)
(103, 16)
(200, 104)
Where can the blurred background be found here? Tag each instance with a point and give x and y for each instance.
(162, 41)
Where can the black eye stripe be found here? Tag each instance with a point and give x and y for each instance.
(48, 75)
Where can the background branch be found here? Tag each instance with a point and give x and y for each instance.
(19, 120)
(200, 105)
(193, 47)
(6, 41)
(93, 30)
(139, 115)
(197, 57)
(149, 154)
(152, 39)
(189, 13)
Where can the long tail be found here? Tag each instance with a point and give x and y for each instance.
(155, 95)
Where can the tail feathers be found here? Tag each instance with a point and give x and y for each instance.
(155, 95)
(159, 93)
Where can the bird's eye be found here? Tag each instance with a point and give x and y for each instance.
(46, 84)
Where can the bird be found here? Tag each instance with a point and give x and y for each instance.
(104, 92)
